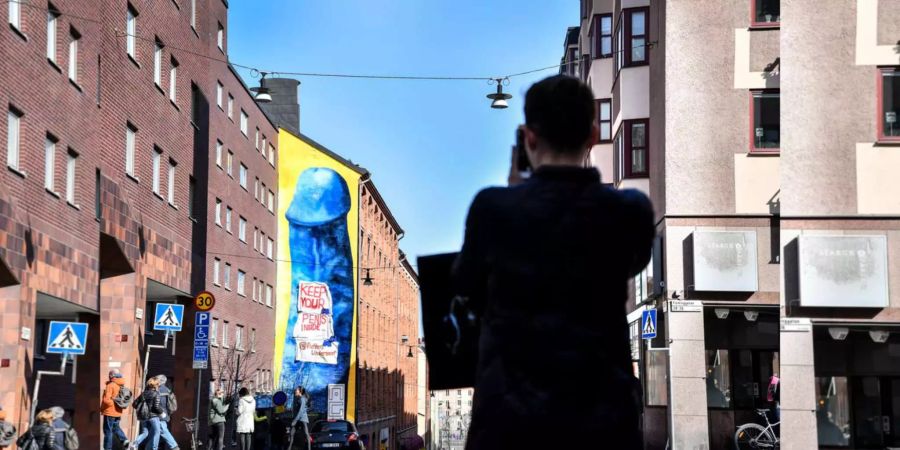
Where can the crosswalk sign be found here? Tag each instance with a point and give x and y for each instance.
(648, 324)
(168, 317)
(67, 338)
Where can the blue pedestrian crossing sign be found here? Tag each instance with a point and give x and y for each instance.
(67, 338)
(648, 324)
(168, 317)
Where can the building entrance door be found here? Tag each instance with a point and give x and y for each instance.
(876, 412)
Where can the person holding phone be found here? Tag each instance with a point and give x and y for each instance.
(545, 266)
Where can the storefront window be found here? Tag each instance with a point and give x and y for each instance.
(634, 330)
(718, 379)
(657, 393)
(832, 411)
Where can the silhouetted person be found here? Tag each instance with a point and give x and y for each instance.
(545, 264)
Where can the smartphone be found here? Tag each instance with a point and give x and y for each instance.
(523, 164)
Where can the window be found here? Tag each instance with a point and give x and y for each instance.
(239, 337)
(257, 138)
(833, 411)
(718, 379)
(157, 63)
(13, 125)
(229, 163)
(604, 119)
(173, 81)
(269, 248)
(586, 7)
(230, 105)
(766, 115)
(889, 99)
(71, 172)
(240, 282)
(253, 291)
(226, 280)
(765, 13)
(262, 194)
(219, 153)
(242, 229)
(264, 140)
(49, 163)
(228, 219)
(262, 241)
(131, 31)
(636, 29)
(634, 157)
(218, 212)
(655, 386)
(253, 340)
(171, 185)
(74, 37)
(243, 122)
(219, 89)
(255, 234)
(130, 138)
(225, 333)
(585, 66)
(242, 176)
(220, 37)
(256, 189)
(194, 14)
(271, 201)
(272, 155)
(216, 264)
(214, 332)
(52, 20)
(15, 13)
(157, 156)
(601, 39)
(268, 295)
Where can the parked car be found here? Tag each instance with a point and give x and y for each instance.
(335, 435)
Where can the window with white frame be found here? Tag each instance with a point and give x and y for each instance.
(173, 81)
(225, 333)
(255, 233)
(74, 37)
(240, 281)
(13, 127)
(271, 201)
(130, 142)
(216, 268)
(219, 90)
(218, 212)
(171, 185)
(194, 14)
(269, 248)
(219, 153)
(71, 173)
(230, 106)
(253, 290)
(242, 175)
(242, 229)
(229, 164)
(49, 163)
(262, 287)
(256, 189)
(257, 138)
(15, 14)
(157, 157)
(239, 337)
(52, 21)
(262, 242)
(214, 332)
(243, 122)
(272, 155)
(226, 279)
(131, 32)
(228, 219)
(157, 62)
(220, 37)
(262, 194)
(268, 295)
(253, 340)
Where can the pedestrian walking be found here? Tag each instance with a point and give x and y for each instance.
(7, 431)
(65, 435)
(300, 423)
(246, 411)
(148, 410)
(218, 408)
(545, 267)
(169, 404)
(111, 411)
(41, 435)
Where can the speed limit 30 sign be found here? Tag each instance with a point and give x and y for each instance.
(205, 301)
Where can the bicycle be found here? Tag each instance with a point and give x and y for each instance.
(191, 426)
(755, 436)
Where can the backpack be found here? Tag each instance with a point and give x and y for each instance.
(26, 442)
(142, 409)
(7, 434)
(71, 440)
(123, 398)
(173, 404)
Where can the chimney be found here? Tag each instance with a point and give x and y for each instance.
(284, 109)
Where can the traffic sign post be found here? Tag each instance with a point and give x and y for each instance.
(205, 301)
(201, 340)
(168, 317)
(64, 338)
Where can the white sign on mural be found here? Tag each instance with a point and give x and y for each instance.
(336, 397)
(725, 261)
(314, 330)
(843, 270)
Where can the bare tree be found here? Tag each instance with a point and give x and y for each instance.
(232, 368)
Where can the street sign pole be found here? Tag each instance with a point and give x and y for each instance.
(37, 383)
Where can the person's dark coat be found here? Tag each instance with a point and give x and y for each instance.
(546, 266)
(152, 398)
(45, 436)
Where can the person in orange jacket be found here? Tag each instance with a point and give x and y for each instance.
(111, 412)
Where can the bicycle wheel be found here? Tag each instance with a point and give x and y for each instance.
(752, 436)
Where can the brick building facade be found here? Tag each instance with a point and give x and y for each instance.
(112, 121)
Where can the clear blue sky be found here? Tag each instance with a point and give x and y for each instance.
(430, 145)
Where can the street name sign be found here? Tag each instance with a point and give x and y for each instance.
(685, 306)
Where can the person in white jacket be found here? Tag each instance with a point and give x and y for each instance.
(246, 410)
